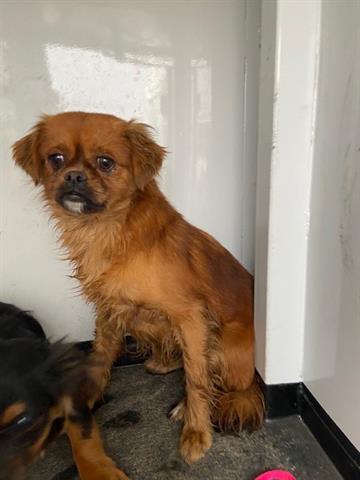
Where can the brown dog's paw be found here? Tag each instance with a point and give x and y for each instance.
(194, 444)
(177, 414)
(158, 367)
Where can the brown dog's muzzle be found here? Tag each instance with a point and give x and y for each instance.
(74, 178)
(75, 195)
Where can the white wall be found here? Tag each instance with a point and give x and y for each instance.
(289, 57)
(332, 330)
(190, 69)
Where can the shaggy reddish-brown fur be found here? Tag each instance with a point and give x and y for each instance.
(149, 272)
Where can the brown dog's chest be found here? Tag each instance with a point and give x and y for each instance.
(118, 288)
(110, 280)
(90, 269)
(136, 281)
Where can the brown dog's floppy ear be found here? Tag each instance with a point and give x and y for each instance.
(25, 153)
(146, 155)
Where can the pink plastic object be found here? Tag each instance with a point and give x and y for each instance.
(275, 475)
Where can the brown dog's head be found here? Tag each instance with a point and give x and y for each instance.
(89, 162)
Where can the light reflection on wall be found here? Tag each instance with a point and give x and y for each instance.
(201, 127)
(87, 79)
(142, 86)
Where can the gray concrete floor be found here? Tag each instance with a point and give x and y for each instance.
(144, 442)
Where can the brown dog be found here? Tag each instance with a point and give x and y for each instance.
(149, 272)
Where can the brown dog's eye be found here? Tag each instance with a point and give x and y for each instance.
(106, 164)
(56, 160)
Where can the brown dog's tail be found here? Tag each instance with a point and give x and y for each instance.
(240, 410)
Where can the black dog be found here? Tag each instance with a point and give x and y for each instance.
(44, 391)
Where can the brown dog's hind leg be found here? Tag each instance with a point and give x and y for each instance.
(157, 365)
(239, 402)
(88, 451)
(152, 329)
(165, 355)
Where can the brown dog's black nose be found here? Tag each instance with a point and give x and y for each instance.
(75, 177)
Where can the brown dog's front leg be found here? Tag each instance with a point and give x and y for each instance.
(109, 337)
(196, 437)
(88, 451)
